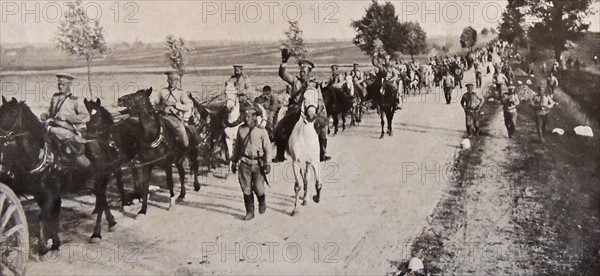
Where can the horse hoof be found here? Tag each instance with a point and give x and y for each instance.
(390, 133)
(316, 199)
(304, 202)
(95, 239)
(381, 136)
(293, 213)
(179, 200)
(197, 187)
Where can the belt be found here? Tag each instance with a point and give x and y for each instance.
(249, 160)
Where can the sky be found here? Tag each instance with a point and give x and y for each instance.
(35, 22)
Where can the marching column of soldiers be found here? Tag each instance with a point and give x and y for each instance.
(251, 156)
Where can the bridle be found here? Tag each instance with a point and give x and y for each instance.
(9, 135)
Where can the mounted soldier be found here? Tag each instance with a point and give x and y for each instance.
(175, 106)
(65, 120)
(299, 84)
(241, 82)
(358, 78)
(392, 75)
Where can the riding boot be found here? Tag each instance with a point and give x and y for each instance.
(249, 202)
(323, 149)
(262, 204)
(280, 156)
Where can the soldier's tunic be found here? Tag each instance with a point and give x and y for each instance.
(177, 109)
(336, 80)
(358, 77)
(510, 102)
(448, 85)
(242, 84)
(542, 104)
(253, 145)
(471, 103)
(69, 117)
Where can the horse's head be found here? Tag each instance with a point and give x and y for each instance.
(310, 104)
(136, 102)
(9, 114)
(100, 118)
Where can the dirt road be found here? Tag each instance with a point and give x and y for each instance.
(377, 196)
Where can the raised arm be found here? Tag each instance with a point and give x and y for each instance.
(284, 75)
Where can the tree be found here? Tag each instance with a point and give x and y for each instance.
(295, 41)
(559, 21)
(413, 39)
(379, 23)
(80, 36)
(176, 55)
(485, 32)
(513, 18)
(468, 38)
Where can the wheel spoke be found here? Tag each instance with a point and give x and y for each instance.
(2, 199)
(6, 217)
(10, 232)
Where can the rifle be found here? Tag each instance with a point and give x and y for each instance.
(262, 171)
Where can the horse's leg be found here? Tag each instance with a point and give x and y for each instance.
(317, 170)
(119, 183)
(181, 171)
(297, 176)
(55, 222)
(194, 166)
(43, 203)
(305, 182)
(138, 186)
(381, 115)
(343, 114)
(100, 193)
(390, 118)
(336, 121)
(169, 173)
(145, 185)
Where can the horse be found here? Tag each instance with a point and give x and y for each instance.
(121, 137)
(233, 120)
(303, 148)
(384, 96)
(337, 104)
(41, 170)
(158, 147)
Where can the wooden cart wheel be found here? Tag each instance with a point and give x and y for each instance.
(14, 234)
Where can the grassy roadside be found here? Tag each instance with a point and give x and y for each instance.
(553, 225)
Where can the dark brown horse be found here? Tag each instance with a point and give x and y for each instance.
(36, 169)
(337, 103)
(157, 147)
(121, 139)
(384, 98)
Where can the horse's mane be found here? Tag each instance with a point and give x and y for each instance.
(106, 116)
(30, 118)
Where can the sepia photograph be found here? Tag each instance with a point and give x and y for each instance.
(302, 137)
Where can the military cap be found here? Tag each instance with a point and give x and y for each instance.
(251, 109)
(469, 84)
(306, 63)
(334, 66)
(355, 64)
(64, 78)
(510, 87)
(238, 66)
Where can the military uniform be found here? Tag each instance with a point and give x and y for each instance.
(358, 78)
(471, 103)
(542, 104)
(242, 82)
(252, 151)
(391, 79)
(448, 85)
(176, 107)
(552, 83)
(336, 80)
(510, 102)
(284, 128)
(67, 117)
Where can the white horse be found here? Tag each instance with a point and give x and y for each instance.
(303, 148)
(233, 122)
